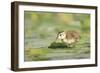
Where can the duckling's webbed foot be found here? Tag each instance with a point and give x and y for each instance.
(70, 45)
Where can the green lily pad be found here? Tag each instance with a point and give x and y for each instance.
(57, 45)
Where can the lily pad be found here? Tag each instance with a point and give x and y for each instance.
(57, 45)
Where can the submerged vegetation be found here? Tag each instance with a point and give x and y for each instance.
(59, 51)
(41, 54)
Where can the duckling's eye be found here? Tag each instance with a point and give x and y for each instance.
(59, 34)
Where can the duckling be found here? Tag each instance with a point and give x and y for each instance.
(68, 37)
